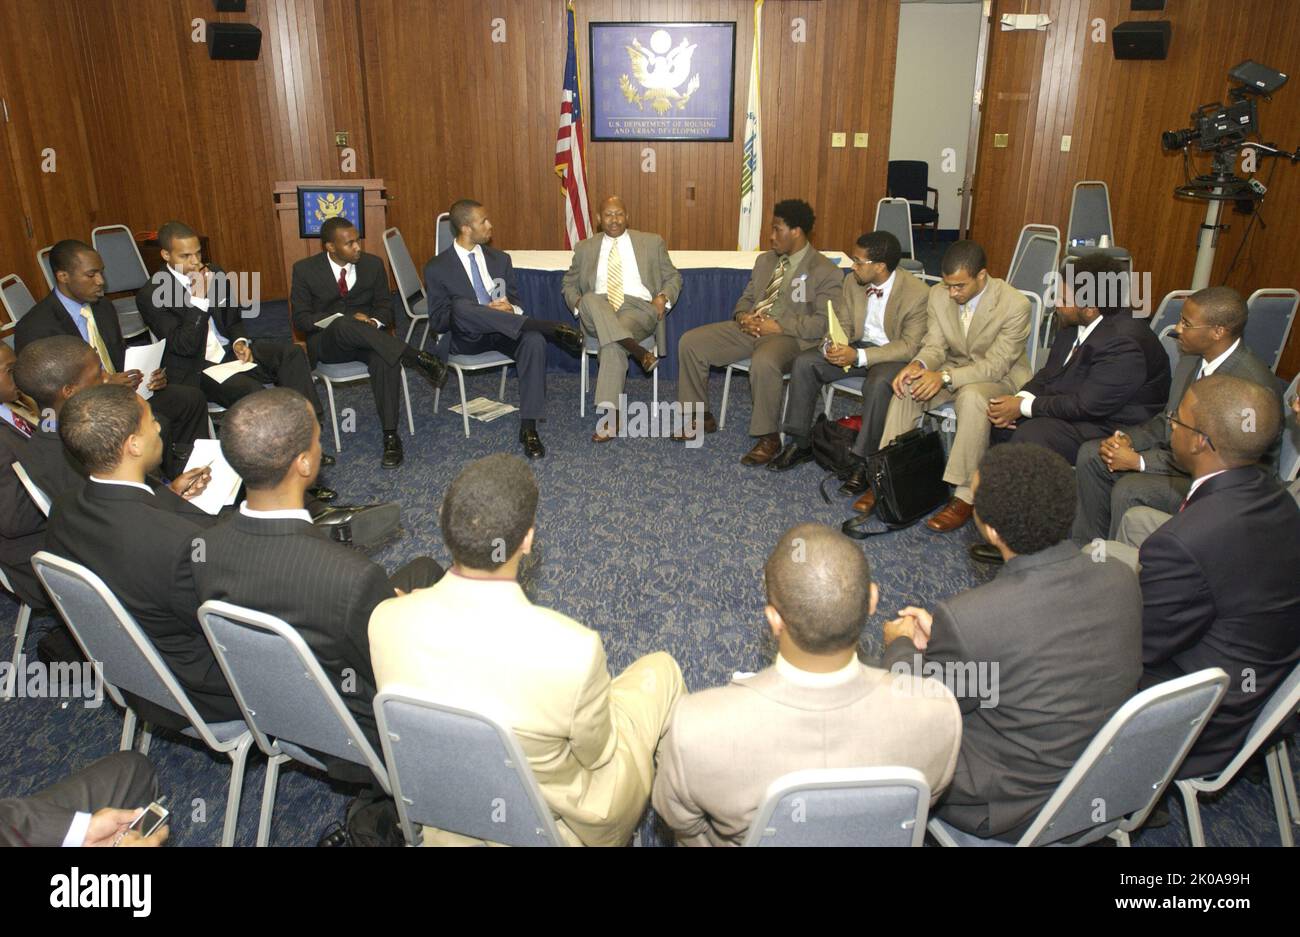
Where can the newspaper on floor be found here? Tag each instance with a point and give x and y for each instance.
(485, 409)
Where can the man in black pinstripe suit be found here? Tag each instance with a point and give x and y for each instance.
(270, 558)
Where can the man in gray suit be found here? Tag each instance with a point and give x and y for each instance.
(781, 313)
(1137, 467)
(1040, 657)
(817, 707)
(883, 314)
(621, 284)
(92, 807)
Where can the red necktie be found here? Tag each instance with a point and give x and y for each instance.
(343, 282)
(22, 425)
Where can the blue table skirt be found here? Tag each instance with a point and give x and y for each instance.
(709, 294)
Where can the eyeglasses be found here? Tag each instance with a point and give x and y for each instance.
(1184, 325)
(1173, 420)
(863, 261)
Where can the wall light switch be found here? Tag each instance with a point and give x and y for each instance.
(1000, 140)
(860, 140)
(839, 140)
(1065, 143)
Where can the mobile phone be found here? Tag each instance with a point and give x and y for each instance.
(154, 816)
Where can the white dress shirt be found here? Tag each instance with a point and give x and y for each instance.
(476, 256)
(292, 514)
(974, 302)
(116, 481)
(1026, 398)
(1199, 482)
(873, 325)
(806, 678)
(632, 285)
(351, 281)
(1207, 368)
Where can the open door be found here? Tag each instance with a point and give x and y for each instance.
(977, 106)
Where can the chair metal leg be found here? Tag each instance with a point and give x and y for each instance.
(582, 386)
(146, 738)
(501, 393)
(424, 335)
(1194, 828)
(829, 393)
(464, 407)
(239, 761)
(406, 392)
(785, 402)
(726, 391)
(1280, 806)
(128, 731)
(268, 799)
(334, 417)
(20, 637)
(1120, 838)
(1288, 780)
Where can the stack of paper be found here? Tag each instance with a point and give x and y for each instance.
(485, 410)
(224, 486)
(146, 359)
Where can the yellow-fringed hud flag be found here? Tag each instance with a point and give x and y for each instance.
(834, 331)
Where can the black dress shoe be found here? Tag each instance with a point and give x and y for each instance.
(569, 339)
(533, 447)
(430, 366)
(326, 460)
(790, 457)
(392, 451)
(857, 482)
(321, 493)
(986, 553)
(360, 525)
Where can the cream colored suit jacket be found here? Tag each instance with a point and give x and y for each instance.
(724, 746)
(905, 316)
(483, 645)
(993, 350)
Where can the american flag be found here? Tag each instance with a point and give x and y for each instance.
(570, 152)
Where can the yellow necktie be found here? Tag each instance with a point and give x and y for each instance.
(614, 277)
(966, 313)
(96, 341)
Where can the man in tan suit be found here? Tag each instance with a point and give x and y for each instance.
(883, 316)
(974, 349)
(817, 707)
(781, 313)
(474, 640)
(621, 284)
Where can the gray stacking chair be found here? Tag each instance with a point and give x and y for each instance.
(1121, 774)
(409, 287)
(1170, 310)
(1277, 710)
(743, 366)
(34, 492)
(1288, 461)
(460, 771)
(895, 216)
(109, 635)
(351, 372)
(288, 701)
(43, 261)
(1269, 324)
(462, 364)
(10, 689)
(1166, 336)
(591, 348)
(843, 807)
(445, 235)
(1090, 216)
(16, 297)
(1049, 231)
(124, 271)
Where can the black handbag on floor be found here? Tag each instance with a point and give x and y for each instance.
(832, 445)
(907, 477)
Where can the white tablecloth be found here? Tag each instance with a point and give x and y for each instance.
(682, 260)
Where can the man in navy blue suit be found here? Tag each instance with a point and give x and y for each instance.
(472, 294)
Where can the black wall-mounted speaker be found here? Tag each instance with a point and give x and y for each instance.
(1136, 5)
(240, 41)
(241, 6)
(1148, 39)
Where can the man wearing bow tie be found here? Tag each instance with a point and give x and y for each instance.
(1106, 369)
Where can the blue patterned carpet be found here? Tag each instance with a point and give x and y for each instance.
(655, 546)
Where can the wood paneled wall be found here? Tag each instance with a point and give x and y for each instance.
(1045, 84)
(479, 119)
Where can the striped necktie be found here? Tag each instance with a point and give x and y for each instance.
(614, 277)
(97, 341)
(773, 286)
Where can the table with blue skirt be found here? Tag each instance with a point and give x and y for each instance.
(712, 282)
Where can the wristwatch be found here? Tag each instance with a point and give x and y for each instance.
(947, 378)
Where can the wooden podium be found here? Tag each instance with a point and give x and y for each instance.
(294, 248)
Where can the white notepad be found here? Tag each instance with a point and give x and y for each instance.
(224, 372)
(146, 359)
(224, 486)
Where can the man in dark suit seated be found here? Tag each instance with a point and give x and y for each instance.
(883, 313)
(1039, 658)
(342, 304)
(30, 439)
(1106, 369)
(1221, 577)
(472, 293)
(268, 557)
(139, 538)
(1136, 466)
(91, 807)
(77, 307)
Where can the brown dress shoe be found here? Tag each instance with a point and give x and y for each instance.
(648, 361)
(689, 429)
(867, 503)
(614, 425)
(955, 513)
(764, 451)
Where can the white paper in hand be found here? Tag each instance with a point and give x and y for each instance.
(146, 359)
(225, 483)
(224, 372)
(325, 323)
